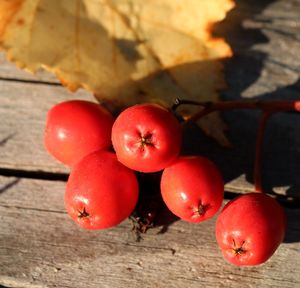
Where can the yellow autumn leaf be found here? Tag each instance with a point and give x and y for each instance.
(123, 51)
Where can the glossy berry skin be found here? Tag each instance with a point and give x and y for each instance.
(192, 188)
(100, 192)
(250, 228)
(146, 137)
(76, 128)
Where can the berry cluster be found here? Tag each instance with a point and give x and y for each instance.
(102, 189)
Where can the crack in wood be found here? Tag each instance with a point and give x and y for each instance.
(6, 139)
(9, 185)
(40, 175)
(29, 81)
(33, 209)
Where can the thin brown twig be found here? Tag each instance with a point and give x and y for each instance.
(259, 151)
(209, 107)
(267, 107)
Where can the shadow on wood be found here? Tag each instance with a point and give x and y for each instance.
(282, 141)
(253, 73)
(293, 227)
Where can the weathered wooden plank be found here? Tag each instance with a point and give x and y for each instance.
(23, 112)
(41, 247)
(265, 39)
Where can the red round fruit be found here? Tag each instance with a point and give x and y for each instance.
(101, 192)
(76, 128)
(146, 137)
(250, 228)
(192, 188)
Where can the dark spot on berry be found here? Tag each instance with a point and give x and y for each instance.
(82, 213)
(201, 209)
(146, 140)
(238, 250)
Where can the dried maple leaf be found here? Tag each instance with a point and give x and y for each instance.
(123, 51)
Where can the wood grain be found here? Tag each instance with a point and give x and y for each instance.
(42, 247)
(266, 65)
(23, 113)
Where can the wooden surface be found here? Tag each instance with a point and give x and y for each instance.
(41, 247)
(39, 244)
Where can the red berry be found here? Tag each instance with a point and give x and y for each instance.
(146, 137)
(250, 228)
(101, 192)
(192, 188)
(76, 128)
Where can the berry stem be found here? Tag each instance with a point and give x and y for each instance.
(209, 107)
(259, 151)
(267, 107)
